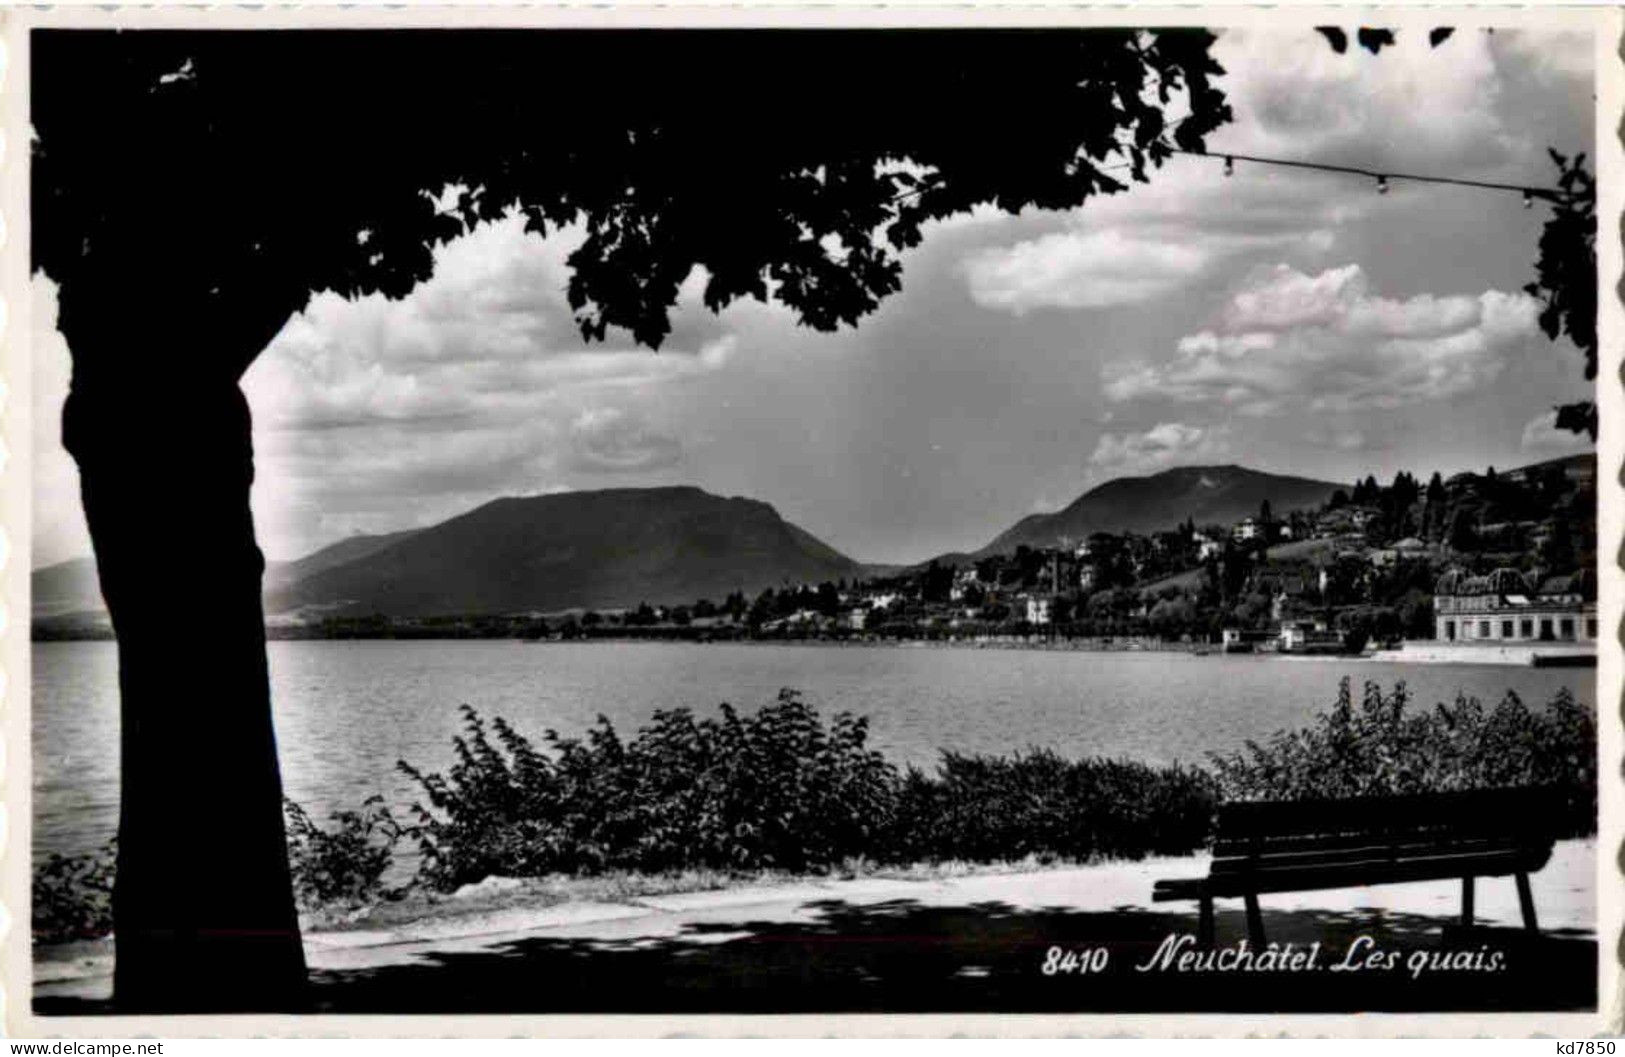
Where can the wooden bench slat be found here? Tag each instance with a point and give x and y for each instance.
(1352, 875)
(1494, 810)
(1306, 845)
(1364, 850)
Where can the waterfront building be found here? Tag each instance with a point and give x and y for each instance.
(1038, 610)
(1505, 606)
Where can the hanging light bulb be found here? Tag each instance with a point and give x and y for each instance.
(1229, 166)
(1382, 185)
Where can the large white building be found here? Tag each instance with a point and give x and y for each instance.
(1505, 606)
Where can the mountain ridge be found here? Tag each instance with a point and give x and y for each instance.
(1152, 502)
(605, 548)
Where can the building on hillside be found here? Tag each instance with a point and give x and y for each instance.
(1246, 529)
(1242, 640)
(858, 618)
(1300, 636)
(1038, 610)
(1505, 607)
(1208, 548)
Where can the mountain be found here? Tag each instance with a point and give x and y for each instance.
(66, 588)
(599, 549)
(1221, 494)
(279, 575)
(72, 588)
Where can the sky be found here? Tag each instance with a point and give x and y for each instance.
(1291, 322)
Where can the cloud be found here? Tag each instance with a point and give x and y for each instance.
(1163, 445)
(1337, 439)
(1414, 108)
(371, 414)
(59, 531)
(1541, 435)
(1292, 93)
(1323, 343)
(608, 440)
(1079, 270)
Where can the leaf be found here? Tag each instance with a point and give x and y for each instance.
(1374, 40)
(1335, 37)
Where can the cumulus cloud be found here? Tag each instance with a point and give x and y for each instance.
(371, 414)
(1324, 343)
(1163, 445)
(1541, 436)
(608, 440)
(1079, 270)
(1291, 92)
(1293, 97)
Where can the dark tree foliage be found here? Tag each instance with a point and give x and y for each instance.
(738, 151)
(191, 190)
(1566, 278)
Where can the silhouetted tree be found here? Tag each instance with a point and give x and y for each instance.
(1566, 278)
(191, 190)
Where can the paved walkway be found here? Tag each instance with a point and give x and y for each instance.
(873, 943)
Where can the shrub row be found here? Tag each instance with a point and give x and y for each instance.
(1381, 747)
(783, 789)
(778, 789)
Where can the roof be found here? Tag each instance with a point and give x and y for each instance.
(1502, 581)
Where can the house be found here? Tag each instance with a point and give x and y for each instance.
(1308, 636)
(858, 619)
(1504, 606)
(1038, 610)
(1086, 578)
(1247, 529)
(1242, 640)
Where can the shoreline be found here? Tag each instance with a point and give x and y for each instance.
(1534, 655)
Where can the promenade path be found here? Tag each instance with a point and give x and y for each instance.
(973, 943)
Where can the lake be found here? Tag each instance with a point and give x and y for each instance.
(346, 711)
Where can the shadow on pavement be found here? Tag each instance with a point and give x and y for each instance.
(903, 956)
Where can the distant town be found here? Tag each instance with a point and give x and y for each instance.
(1476, 558)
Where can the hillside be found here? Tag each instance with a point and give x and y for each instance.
(279, 575)
(1222, 494)
(66, 588)
(599, 549)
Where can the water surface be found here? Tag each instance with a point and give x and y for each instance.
(346, 711)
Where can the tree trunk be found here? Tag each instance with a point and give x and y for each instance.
(202, 903)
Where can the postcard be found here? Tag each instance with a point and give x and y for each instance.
(763, 520)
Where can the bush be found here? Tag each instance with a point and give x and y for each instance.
(345, 865)
(73, 896)
(1380, 748)
(987, 808)
(777, 790)
(774, 790)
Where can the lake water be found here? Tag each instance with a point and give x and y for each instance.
(346, 711)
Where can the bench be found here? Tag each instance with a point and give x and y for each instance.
(1305, 845)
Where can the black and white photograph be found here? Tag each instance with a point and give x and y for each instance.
(710, 516)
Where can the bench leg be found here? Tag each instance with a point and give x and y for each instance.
(1204, 922)
(1255, 921)
(1467, 902)
(1526, 902)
